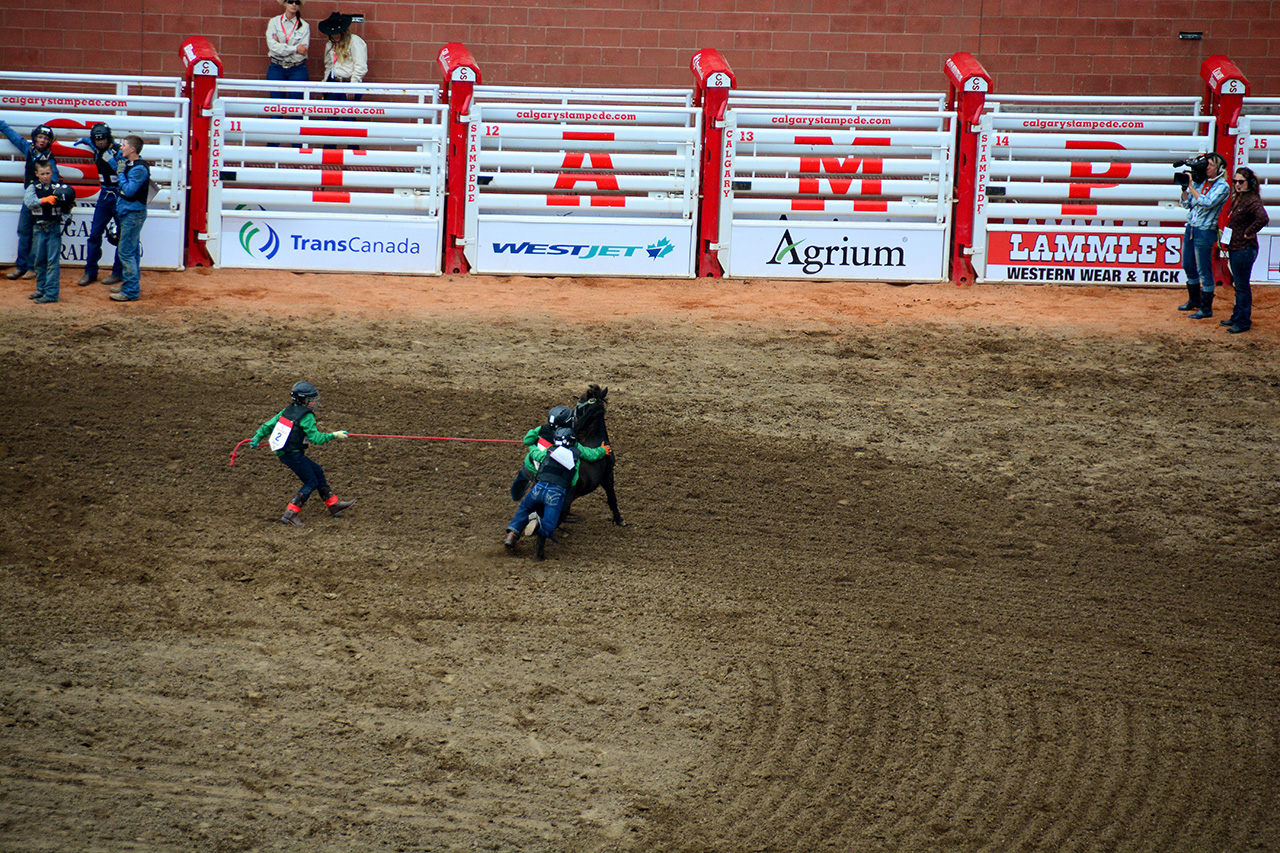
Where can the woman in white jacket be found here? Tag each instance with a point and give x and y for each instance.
(287, 39)
(346, 56)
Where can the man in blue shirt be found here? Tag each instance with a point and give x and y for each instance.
(131, 211)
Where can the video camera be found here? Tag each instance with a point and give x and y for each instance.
(1194, 169)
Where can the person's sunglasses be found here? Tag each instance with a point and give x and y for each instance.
(1239, 182)
(293, 2)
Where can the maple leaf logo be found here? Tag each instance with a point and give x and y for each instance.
(660, 249)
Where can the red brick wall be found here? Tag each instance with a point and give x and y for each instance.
(1102, 47)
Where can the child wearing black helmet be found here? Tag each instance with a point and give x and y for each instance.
(40, 147)
(107, 157)
(48, 203)
(540, 436)
(287, 434)
(557, 468)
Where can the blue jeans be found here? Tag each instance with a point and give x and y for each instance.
(547, 496)
(129, 252)
(103, 212)
(1197, 257)
(46, 257)
(279, 72)
(25, 224)
(309, 472)
(1241, 264)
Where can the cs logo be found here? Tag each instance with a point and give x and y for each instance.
(269, 247)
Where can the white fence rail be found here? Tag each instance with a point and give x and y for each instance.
(333, 177)
(582, 182)
(1258, 147)
(147, 107)
(1081, 190)
(859, 188)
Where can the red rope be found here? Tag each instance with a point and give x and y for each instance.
(236, 449)
(435, 438)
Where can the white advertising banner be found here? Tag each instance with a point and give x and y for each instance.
(837, 251)
(568, 247)
(162, 241)
(1056, 255)
(265, 241)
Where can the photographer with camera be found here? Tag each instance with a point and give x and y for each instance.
(1203, 193)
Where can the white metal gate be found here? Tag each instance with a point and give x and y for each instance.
(1258, 147)
(836, 186)
(308, 183)
(1081, 190)
(582, 182)
(148, 107)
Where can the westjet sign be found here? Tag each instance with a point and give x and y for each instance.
(566, 247)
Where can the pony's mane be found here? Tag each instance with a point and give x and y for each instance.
(593, 392)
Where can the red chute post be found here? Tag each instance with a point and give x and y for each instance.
(714, 80)
(461, 74)
(1225, 88)
(202, 68)
(969, 84)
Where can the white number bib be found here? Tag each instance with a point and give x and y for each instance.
(564, 456)
(280, 434)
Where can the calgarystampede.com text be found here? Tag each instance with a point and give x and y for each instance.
(1080, 124)
(832, 121)
(324, 110)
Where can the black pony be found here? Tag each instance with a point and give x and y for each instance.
(589, 426)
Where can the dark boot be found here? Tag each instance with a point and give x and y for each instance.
(1193, 300)
(291, 515)
(510, 542)
(541, 553)
(336, 506)
(1206, 306)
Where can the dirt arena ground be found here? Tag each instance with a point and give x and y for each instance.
(905, 568)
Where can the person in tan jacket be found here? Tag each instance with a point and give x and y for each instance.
(346, 56)
(288, 37)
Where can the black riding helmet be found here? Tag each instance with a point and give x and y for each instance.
(303, 393)
(100, 131)
(560, 416)
(565, 436)
(46, 130)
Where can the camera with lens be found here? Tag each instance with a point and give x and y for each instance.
(1193, 169)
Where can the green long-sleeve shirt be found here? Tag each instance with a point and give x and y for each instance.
(585, 454)
(308, 424)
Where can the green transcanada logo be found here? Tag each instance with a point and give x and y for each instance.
(270, 245)
(813, 259)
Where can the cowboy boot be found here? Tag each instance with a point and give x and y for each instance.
(541, 553)
(510, 542)
(336, 506)
(1206, 306)
(1193, 300)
